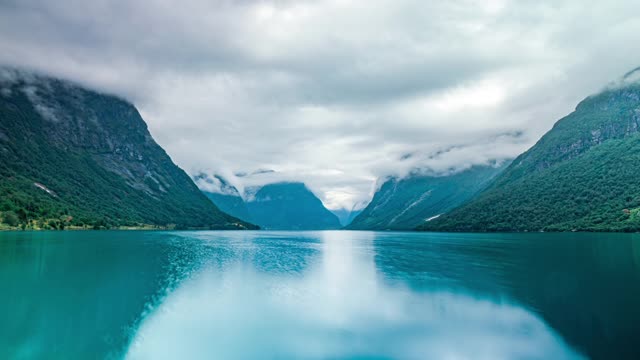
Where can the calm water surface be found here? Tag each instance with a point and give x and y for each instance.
(318, 295)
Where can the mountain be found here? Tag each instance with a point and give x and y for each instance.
(403, 204)
(346, 216)
(289, 206)
(74, 157)
(582, 175)
(279, 206)
(226, 197)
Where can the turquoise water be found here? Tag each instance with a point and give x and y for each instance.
(318, 295)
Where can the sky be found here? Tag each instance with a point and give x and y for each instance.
(337, 94)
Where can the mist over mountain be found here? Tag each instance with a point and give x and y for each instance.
(75, 157)
(405, 203)
(277, 206)
(224, 195)
(334, 94)
(320, 179)
(581, 175)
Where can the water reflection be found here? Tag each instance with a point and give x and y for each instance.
(343, 295)
(240, 295)
(585, 286)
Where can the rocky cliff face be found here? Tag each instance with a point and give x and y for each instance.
(95, 152)
(108, 128)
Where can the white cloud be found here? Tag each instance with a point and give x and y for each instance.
(333, 93)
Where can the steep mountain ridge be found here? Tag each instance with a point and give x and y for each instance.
(581, 175)
(404, 203)
(95, 153)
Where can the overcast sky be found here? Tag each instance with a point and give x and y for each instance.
(333, 93)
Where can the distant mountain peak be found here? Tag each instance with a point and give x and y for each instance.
(286, 205)
(291, 206)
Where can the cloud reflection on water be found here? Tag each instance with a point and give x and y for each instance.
(338, 307)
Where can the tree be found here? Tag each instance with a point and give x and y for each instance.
(10, 218)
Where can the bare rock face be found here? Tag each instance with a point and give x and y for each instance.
(108, 128)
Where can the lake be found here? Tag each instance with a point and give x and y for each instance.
(318, 295)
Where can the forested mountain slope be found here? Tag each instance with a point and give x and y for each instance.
(74, 157)
(582, 175)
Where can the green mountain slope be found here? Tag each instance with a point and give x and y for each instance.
(289, 206)
(403, 204)
(581, 175)
(73, 157)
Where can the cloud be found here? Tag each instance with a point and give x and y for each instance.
(333, 93)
